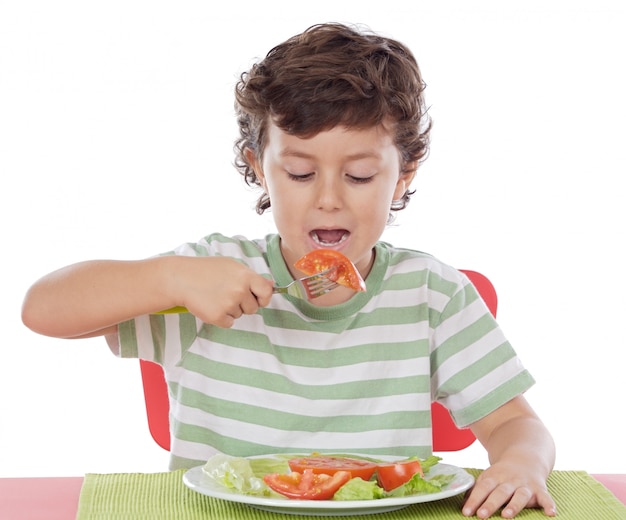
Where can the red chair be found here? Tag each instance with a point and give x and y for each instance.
(446, 436)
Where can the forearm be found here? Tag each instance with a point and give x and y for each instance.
(85, 298)
(524, 441)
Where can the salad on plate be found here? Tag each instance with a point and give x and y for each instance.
(326, 477)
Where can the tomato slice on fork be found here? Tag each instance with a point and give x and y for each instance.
(344, 272)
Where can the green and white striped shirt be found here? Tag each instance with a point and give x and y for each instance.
(355, 377)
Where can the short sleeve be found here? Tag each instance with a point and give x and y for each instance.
(163, 339)
(474, 368)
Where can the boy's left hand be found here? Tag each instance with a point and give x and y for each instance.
(509, 486)
(521, 452)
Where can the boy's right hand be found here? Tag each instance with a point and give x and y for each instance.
(90, 298)
(218, 290)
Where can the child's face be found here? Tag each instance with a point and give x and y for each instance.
(332, 190)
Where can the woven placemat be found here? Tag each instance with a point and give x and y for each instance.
(163, 496)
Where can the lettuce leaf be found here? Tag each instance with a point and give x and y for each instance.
(429, 462)
(420, 485)
(265, 465)
(236, 474)
(359, 489)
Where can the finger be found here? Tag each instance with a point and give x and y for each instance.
(477, 495)
(262, 290)
(235, 312)
(523, 497)
(485, 504)
(520, 499)
(545, 501)
(225, 322)
(227, 319)
(250, 304)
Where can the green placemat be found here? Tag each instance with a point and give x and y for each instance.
(163, 496)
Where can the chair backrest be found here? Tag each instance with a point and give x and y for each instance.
(446, 436)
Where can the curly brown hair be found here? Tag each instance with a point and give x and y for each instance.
(332, 74)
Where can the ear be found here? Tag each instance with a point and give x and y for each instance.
(255, 164)
(405, 180)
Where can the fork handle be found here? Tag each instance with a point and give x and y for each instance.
(173, 310)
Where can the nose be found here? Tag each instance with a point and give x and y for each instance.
(329, 196)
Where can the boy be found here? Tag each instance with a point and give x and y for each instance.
(333, 126)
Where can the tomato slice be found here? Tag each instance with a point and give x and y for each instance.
(321, 259)
(307, 485)
(394, 474)
(330, 465)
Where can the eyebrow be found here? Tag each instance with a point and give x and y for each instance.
(290, 152)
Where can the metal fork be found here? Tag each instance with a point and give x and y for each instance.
(309, 287)
(306, 288)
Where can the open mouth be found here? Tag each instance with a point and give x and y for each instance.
(329, 237)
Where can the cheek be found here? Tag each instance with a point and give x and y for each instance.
(284, 202)
(374, 212)
(379, 200)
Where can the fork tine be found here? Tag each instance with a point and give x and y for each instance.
(323, 289)
(317, 280)
(322, 274)
(319, 284)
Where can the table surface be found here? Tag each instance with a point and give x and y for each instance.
(56, 498)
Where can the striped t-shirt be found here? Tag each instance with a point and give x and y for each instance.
(357, 377)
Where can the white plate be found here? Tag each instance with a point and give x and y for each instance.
(196, 480)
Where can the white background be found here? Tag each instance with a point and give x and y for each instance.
(116, 131)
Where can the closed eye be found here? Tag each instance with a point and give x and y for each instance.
(361, 180)
(300, 177)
